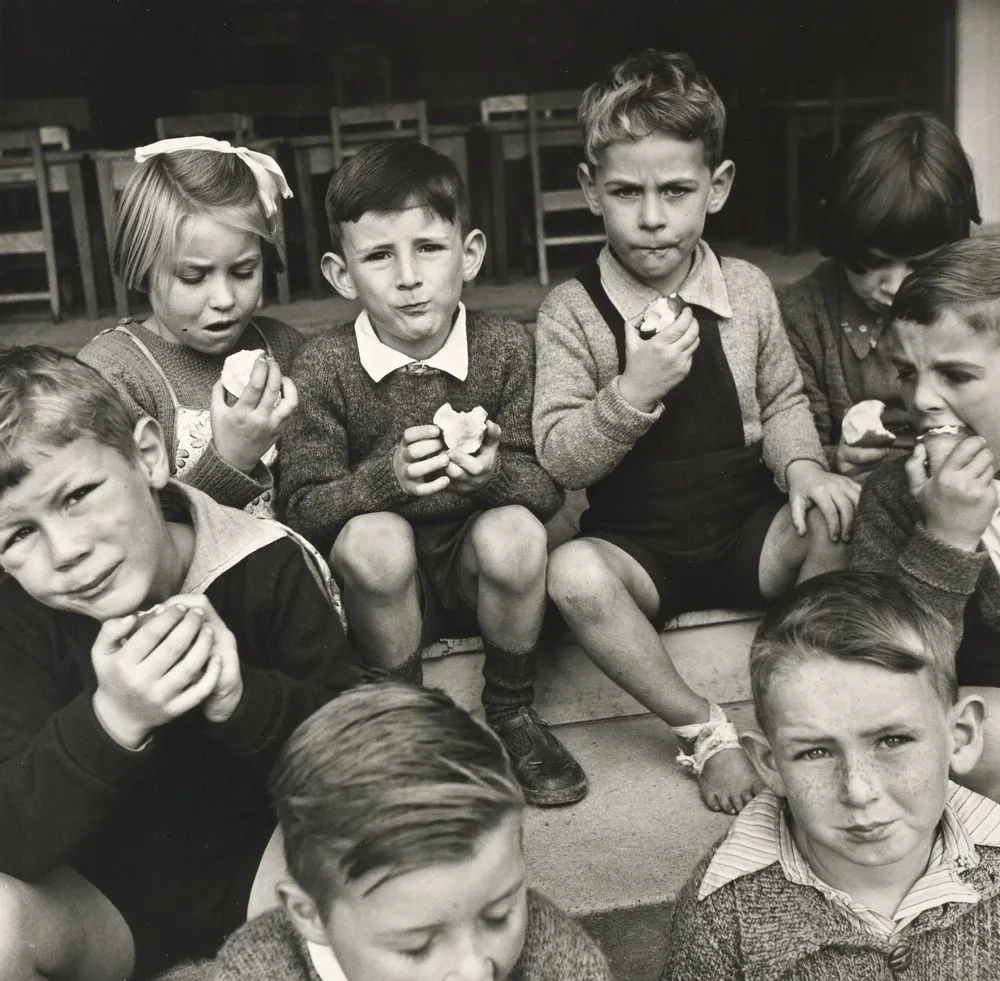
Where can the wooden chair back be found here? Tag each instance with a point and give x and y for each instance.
(552, 122)
(498, 107)
(351, 127)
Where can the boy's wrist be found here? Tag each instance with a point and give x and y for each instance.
(126, 732)
(635, 398)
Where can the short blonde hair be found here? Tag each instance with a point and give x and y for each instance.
(169, 187)
(653, 92)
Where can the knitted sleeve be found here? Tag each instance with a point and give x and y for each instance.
(520, 478)
(319, 489)
(806, 318)
(557, 948)
(889, 537)
(582, 429)
(703, 935)
(264, 949)
(789, 432)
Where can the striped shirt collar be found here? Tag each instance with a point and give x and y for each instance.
(379, 359)
(704, 285)
(761, 836)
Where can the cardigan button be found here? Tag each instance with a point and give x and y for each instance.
(900, 957)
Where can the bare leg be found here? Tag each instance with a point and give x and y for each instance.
(788, 558)
(61, 928)
(503, 568)
(374, 561)
(607, 599)
(985, 777)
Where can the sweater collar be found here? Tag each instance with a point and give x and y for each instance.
(379, 359)
(704, 285)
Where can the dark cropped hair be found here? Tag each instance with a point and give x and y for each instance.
(47, 401)
(386, 779)
(963, 277)
(392, 176)
(653, 92)
(904, 186)
(858, 617)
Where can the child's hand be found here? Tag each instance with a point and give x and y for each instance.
(228, 690)
(417, 458)
(958, 502)
(809, 485)
(153, 675)
(468, 472)
(857, 462)
(245, 431)
(654, 367)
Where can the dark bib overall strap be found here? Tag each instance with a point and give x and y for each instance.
(690, 481)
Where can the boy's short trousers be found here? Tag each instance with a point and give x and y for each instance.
(727, 577)
(447, 611)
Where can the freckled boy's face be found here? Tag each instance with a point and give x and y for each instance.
(461, 920)
(862, 756)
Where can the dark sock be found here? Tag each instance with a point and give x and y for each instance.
(508, 680)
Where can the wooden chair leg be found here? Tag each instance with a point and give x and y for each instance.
(107, 196)
(84, 248)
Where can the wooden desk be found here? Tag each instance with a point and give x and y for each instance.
(65, 171)
(314, 155)
(802, 118)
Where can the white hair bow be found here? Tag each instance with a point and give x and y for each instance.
(270, 180)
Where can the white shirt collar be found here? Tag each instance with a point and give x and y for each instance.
(325, 962)
(379, 359)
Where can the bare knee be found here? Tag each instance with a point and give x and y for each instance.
(510, 547)
(580, 582)
(375, 553)
(18, 923)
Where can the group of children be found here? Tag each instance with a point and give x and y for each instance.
(179, 674)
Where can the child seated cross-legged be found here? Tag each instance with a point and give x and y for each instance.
(686, 440)
(861, 860)
(157, 650)
(903, 188)
(196, 220)
(403, 824)
(420, 526)
(931, 520)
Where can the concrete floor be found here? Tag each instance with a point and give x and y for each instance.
(520, 299)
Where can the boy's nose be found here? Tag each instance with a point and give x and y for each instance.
(66, 549)
(407, 276)
(651, 212)
(926, 401)
(858, 784)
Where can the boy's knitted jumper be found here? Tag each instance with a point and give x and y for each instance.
(336, 453)
(584, 426)
(193, 375)
(762, 927)
(889, 536)
(556, 948)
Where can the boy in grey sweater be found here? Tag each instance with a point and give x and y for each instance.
(422, 532)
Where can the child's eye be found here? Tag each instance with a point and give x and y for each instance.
(418, 953)
(956, 377)
(625, 193)
(376, 256)
(245, 273)
(904, 374)
(497, 921)
(674, 193)
(895, 741)
(814, 753)
(77, 495)
(15, 538)
(191, 279)
(432, 247)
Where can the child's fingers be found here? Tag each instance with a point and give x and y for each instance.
(493, 434)
(272, 383)
(916, 469)
(250, 398)
(797, 505)
(113, 634)
(430, 486)
(423, 468)
(173, 648)
(195, 694)
(414, 434)
(846, 508)
(149, 635)
(289, 398)
(191, 666)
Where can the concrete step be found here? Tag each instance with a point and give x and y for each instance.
(709, 649)
(618, 858)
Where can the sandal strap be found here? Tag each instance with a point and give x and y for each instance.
(706, 739)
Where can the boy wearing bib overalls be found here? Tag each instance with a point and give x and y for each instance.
(706, 481)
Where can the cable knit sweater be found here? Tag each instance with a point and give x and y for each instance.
(761, 927)
(556, 948)
(584, 427)
(193, 376)
(889, 536)
(336, 453)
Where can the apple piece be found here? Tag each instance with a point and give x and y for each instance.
(237, 369)
(939, 442)
(662, 312)
(463, 432)
(862, 425)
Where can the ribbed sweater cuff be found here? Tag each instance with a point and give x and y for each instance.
(385, 491)
(941, 566)
(618, 419)
(226, 484)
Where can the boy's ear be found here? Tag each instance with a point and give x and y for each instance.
(302, 911)
(473, 252)
(966, 718)
(152, 451)
(335, 272)
(722, 184)
(585, 175)
(758, 747)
